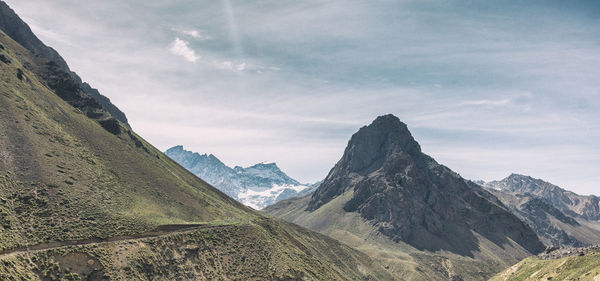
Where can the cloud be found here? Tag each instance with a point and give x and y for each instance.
(194, 33)
(241, 66)
(501, 102)
(182, 48)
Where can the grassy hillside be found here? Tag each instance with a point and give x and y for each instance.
(584, 268)
(64, 179)
(259, 251)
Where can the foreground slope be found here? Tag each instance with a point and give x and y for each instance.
(263, 250)
(389, 199)
(577, 264)
(80, 191)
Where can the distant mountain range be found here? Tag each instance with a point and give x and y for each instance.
(256, 186)
(558, 216)
(572, 204)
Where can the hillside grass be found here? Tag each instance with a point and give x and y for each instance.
(262, 250)
(583, 268)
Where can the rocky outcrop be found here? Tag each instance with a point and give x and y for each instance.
(53, 70)
(412, 198)
(559, 253)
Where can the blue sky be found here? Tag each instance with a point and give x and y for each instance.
(487, 87)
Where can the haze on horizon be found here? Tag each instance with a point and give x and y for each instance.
(488, 88)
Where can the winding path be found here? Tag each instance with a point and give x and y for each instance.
(158, 231)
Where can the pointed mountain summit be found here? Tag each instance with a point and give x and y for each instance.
(367, 151)
(387, 182)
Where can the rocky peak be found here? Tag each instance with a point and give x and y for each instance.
(368, 150)
(372, 145)
(265, 166)
(174, 149)
(412, 198)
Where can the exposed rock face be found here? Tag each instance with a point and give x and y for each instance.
(412, 198)
(587, 207)
(256, 186)
(53, 69)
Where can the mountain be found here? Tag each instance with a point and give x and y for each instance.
(256, 186)
(559, 217)
(55, 71)
(83, 197)
(561, 264)
(389, 199)
(587, 207)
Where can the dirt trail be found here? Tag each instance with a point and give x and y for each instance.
(158, 231)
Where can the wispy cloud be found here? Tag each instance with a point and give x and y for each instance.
(182, 48)
(501, 102)
(193, 33)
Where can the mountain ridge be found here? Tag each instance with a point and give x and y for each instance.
(584, 206)
(559, 217)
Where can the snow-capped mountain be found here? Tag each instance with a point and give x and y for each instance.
(256, 186)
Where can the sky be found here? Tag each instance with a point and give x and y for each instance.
(488, 88)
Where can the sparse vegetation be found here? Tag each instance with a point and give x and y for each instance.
(576, 267)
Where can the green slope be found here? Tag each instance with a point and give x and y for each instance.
(64, 177)
(265, 250)
(583, 268)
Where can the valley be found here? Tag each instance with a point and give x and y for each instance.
(84, 196)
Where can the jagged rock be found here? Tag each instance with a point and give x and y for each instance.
(111, 125)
